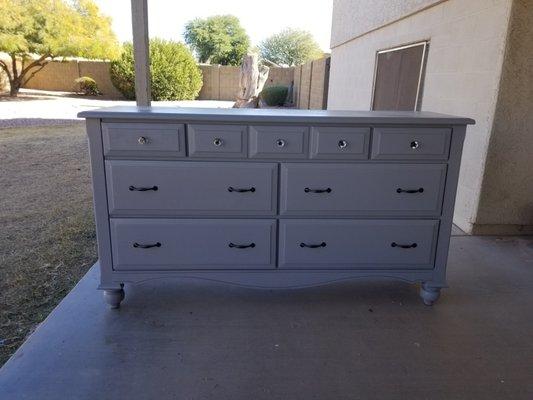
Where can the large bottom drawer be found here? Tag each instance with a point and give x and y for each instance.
(357, 244)
(159, 244)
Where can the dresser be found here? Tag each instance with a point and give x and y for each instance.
(273, 198)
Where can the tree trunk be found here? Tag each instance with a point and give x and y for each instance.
(251, 82)
(14, 87)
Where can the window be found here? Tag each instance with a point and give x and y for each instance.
(398, 77)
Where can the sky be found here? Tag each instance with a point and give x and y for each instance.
(167, 18)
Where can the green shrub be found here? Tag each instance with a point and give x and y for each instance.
(274, 95)
(87, 86)
(175, 75)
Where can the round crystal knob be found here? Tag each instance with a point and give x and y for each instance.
(280, 143)
(217, 142)
(142, 140)
(342, 144)
(415, 144)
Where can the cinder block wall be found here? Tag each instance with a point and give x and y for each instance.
(468, 40)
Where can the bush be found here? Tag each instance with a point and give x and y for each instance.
(175, 75)
(274, 95)
(87, 86)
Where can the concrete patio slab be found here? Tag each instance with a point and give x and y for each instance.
(351, 340)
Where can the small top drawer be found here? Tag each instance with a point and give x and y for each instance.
(223, 141)
(411, 143)
(143, 140)
(339, 142)
(279, 141)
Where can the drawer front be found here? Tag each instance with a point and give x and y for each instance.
(143, 140)
(223, 141)
(357, 244)
(362, 189)
(411, 143)
(339, 143)
(185, 188)
(279, 141)
(151, 244)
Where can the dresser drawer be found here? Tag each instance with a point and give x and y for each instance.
(185, 188)
(162, 244)
(143, 140)
(362, 189)
(339, 142)
(220, 141)
(279, 141)
(411, 143)
(357, 244)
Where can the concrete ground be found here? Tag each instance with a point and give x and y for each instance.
(351, 340)
(39, 107)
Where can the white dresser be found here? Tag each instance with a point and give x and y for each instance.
(273, 198)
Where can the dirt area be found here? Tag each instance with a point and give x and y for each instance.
(47, 236)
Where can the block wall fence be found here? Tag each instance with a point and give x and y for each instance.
(220, 82)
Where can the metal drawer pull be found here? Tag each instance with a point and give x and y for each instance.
(280, 143)
(146, 246)
(313, 246)
(143, 189)
(307, 190)
(404, 246)
(142, 140)
(217, 142)
(415, 144)
(419, 190)
(232, 189)
(342, 144)
(241, 246)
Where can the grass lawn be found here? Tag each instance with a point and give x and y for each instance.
(47, 236)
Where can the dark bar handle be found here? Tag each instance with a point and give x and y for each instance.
(404, 246)
(232, 189)
(313, 246)
(146, 246)
(143, 189)
(307, 190)
(419, 190)
(241, 246)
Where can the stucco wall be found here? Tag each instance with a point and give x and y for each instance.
(467, 43)
(506, 200)
(352, 18)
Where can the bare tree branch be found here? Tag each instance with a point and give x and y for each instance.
(35, 63)
(41, 66)
(4, 66)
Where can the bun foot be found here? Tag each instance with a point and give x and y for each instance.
(113, 297)
(429, 294)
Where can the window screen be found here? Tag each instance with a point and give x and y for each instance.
(399, 77)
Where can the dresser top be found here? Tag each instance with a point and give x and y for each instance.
(238, 115)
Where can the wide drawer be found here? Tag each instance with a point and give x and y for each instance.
(357, 244)
(411, 143)
(143, 140)
(219, 141)
(163, 244)
(330, 142)
(362, 189)
(185, 188)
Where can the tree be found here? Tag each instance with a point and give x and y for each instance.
(173, 72)
(218, 40)
(34, 32)
(290, 47)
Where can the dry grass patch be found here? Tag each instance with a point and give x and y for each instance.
(47, 236)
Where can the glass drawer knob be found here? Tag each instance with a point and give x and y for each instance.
(415, 144)
(217, 142)
(142, 140)
(280, 143)
(342, 144)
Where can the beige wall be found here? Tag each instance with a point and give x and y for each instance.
(467, 44)
(506, 200)
(311, 84)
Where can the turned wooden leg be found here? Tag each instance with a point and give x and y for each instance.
(113, 297)
(429, 294)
